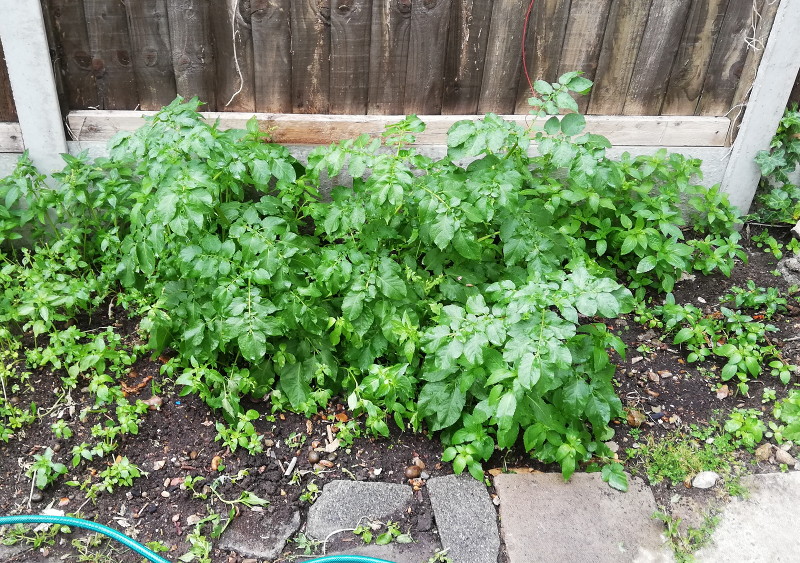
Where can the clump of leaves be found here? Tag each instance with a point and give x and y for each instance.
(470, 298)
(777, 199)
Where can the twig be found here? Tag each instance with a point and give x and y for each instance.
(235, 55)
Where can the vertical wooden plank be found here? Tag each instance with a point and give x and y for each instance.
(626, 22)
(107, 26)
(779, 66)
(424, 80)
(503, 62)
(388, 56)
(272, 52)
(755, 51)
(152, 61)
(8, 112)
(691, 62)
(657, 51)
(351, 21)
(73, 51)
(192, 53)
(233, 55)
(583, 40)
(465, 56)
(794, 97)
(727, 60)
(546, 35)
(311, 49)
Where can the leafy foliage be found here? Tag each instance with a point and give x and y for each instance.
(466, 295)
(778, 200)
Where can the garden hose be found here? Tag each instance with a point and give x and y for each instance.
(139, 548)
(87, 525)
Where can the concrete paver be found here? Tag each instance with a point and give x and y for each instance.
(544, 519)
(466, 519)
(760, 528)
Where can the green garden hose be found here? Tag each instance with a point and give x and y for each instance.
(139, 548)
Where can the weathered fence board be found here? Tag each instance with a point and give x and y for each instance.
(626, 23)
(109, 40)
(466, 55)
(73, 53)
(8, 111)
(311, 129)
(429, 21)
(272, 57)
(657, 51)
(10, 137)
(583, 40)
(694, 54)
(388, 53)
(351, 21)
(192, 55)
(504, 48)
(150, 44)
(233, 57)
(548, 28)
(311, 51)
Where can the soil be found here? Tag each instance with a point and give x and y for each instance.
(177, 440)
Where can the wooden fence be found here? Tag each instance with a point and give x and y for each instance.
(647, 57)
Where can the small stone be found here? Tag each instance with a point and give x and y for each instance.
(764, 452)
(175, 481)
(159, 464)
(193, 519)
(176, 517)
(613, 446)
(249, 560)
(424, 475)
(418, 462)
(165, 494)
(154, 403)
(57, 448)
(215, 461)
(636, 360)
(705, 480)
(37, 496)
(193, 455)
(166, 482)
(654, 377)
(326, 463)
(784, 457)
(313, 457)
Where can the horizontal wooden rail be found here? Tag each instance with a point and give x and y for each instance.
(302, 129)
(11, 137)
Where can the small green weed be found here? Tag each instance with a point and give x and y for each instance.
(684, 544)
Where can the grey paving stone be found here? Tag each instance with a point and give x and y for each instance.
(343, 503)
(420, 551)
(466, 519)
(544, 519)
(259, 535)
(761, 528)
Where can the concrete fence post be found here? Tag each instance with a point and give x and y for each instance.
(30, 71)
(768, 98)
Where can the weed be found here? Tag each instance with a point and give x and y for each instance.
(746, 426)
(777, 200)
(307, 544)
(44, 470)
(36, 538)
(684, 544)
(311, 493)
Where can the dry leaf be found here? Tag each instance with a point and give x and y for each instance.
(723, 392)
(636, 418)
(342, 417)
(159, 464)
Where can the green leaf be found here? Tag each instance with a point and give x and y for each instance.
(646, 264)
(614, 475)
(572, 124)
(683, 335)
(389, 282)
(576, 394)
(552, 126)
(507, 406)
(443, 230)
(253, 345)
(294, 385)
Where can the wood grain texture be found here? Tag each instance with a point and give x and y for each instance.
(11, 137)
(192, 55)
(107, 27)
(388, 56)
(583, 40)
(691, 62)
(351, 22)
(728, 59)
(8, 112)
(755, 52)
(794, 97)
(73, 54)
(425, 72)
(272, 54)
(548, 26)
(311, 50)
(465, 55)
(151, 53)
(626, 22)
(322, 129)
(233, 56)
(504, 57)
(657, 51)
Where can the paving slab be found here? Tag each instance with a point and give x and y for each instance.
(343, 504)
(545, 519)
(466, 519)
(762, 527)
(419, 551)
(259, 535)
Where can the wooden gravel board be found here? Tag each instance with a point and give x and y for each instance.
(11, 137)
(150, 53)
(90, 125)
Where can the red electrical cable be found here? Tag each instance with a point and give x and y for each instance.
(524, 57)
